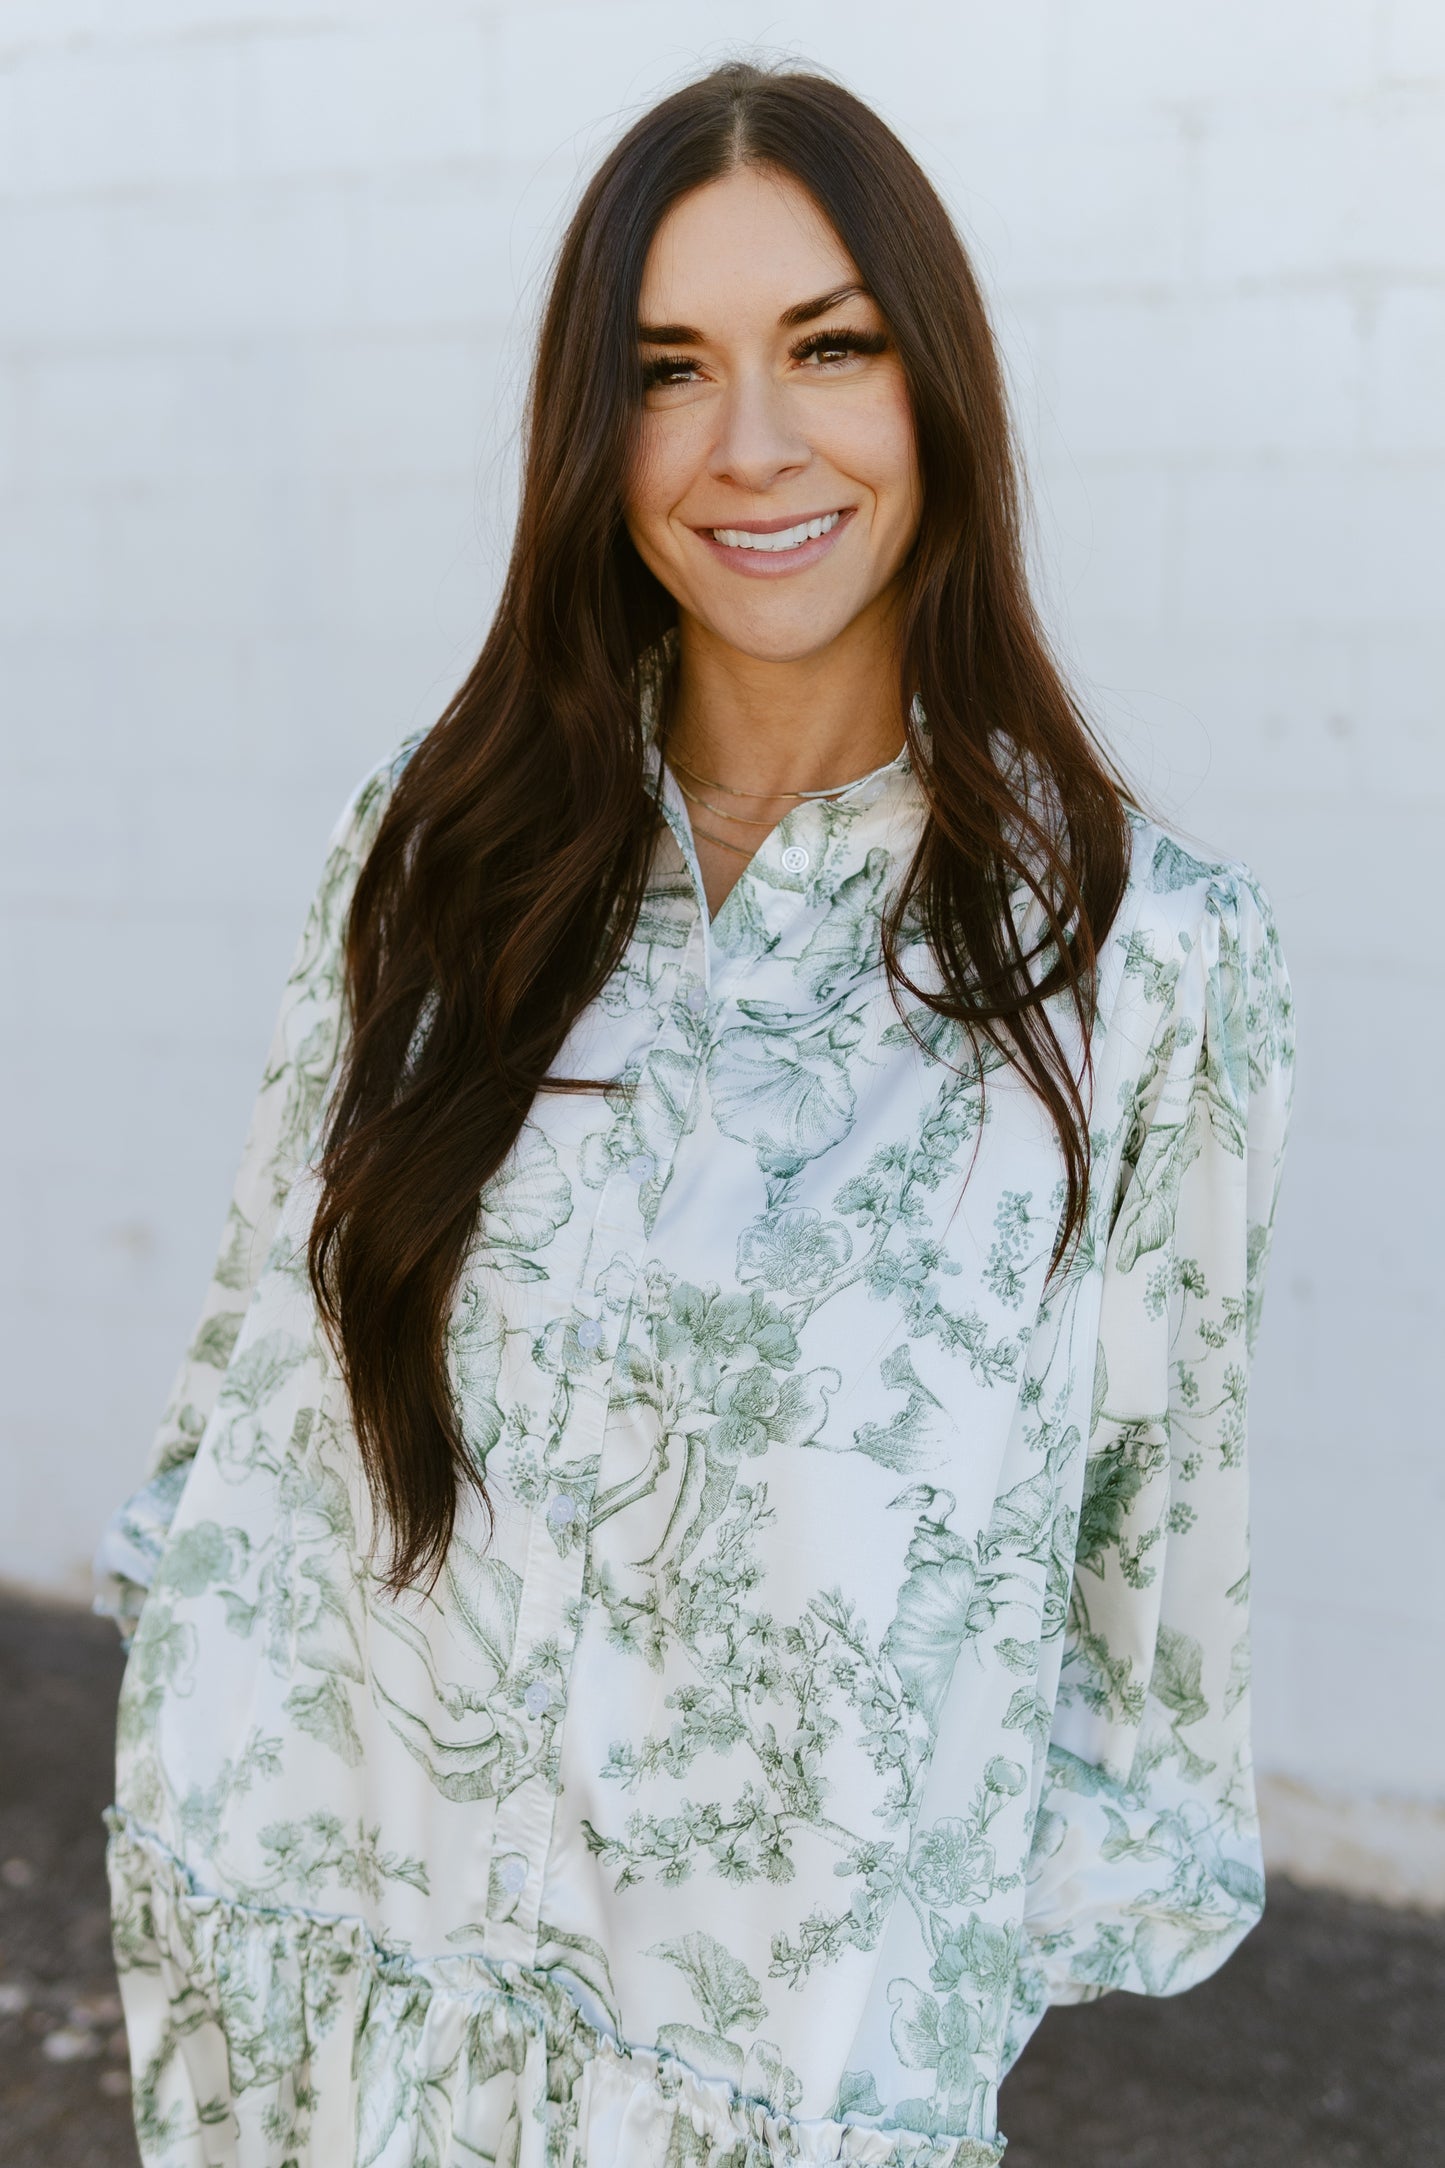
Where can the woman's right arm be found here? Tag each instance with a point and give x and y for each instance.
(302, 1059)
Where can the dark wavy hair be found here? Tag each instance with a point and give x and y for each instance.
(508, 871)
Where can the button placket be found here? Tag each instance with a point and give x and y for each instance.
(690, 991)
(647, 1133)
(549, 1612)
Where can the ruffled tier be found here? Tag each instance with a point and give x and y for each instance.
(288, 2039)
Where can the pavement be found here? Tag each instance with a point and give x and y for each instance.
(1321, 2044)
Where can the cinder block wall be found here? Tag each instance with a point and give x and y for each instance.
(267, 281)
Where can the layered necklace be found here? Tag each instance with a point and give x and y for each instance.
(753, 797)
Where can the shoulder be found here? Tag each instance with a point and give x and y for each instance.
(1177, 882)
(1196, 937)
(352, 835)
(1183, 900)
(357, 823)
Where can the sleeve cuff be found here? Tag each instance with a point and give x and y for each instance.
(129, 1551)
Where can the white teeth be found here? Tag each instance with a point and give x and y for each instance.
(787, 538)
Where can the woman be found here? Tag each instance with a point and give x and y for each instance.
(698, 1560)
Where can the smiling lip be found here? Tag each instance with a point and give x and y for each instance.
(771, 526)
(767, 564)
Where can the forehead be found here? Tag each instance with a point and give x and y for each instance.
(743, 247)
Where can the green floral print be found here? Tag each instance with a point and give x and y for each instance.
(859, 1662)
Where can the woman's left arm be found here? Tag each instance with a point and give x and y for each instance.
(1145, 1870)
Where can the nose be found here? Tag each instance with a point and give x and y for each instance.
(757, 439)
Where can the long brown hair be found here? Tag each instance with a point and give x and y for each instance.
(509, 868)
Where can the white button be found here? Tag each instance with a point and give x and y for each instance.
(560, 1509)
(795, 859)
(537, 1696)
(697, 1000)
(642, 1167)
(589, 1333)
(513, 1875)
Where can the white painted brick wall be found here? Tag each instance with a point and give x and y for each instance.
(267, 282)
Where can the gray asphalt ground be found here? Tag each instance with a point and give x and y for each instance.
(1321, 2044)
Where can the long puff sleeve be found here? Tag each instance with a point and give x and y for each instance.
(300, 1064)
(1145, 1870)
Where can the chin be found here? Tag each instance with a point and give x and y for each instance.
(786, 637)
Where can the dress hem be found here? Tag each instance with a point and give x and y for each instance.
(277, 2037)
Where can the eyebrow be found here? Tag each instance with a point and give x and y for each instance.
(802, 312)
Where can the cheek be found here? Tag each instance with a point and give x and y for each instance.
(876, 445)
(640, 483)
(660, 470)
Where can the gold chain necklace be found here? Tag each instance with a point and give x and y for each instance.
(739, 850)
(739, 820)
(759, 797)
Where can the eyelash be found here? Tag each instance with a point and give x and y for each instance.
(655, 371)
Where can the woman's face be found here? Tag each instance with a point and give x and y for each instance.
(775, 401)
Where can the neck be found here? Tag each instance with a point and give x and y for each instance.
(771, 728)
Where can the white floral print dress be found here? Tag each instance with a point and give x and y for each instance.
(860, 1660)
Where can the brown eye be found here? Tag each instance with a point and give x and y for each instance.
(661, 369)
(830, 347)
